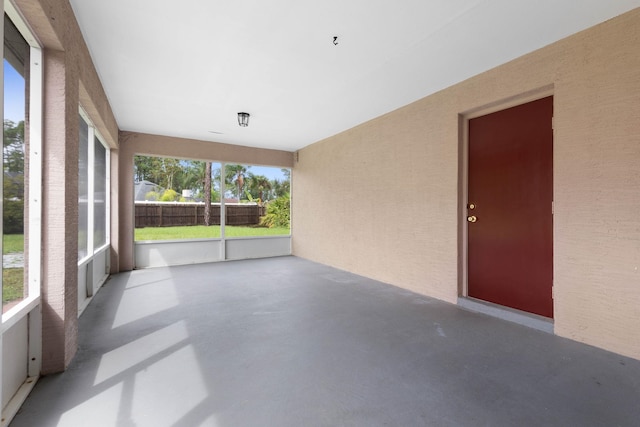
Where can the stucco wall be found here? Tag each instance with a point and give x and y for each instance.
(70, 80)
(132, 143)
(382, 199)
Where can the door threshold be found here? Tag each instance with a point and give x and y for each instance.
(530, 320)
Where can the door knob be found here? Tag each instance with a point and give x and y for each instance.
(472, 218)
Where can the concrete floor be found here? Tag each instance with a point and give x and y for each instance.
(287, 342)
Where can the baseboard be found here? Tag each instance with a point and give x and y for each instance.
(10, 411)
(516, 316)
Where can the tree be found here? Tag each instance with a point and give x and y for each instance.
(160, 170)
(280, 188)
(13, 183)
(215, 183)
(234, 175)
(191, 176)
(259, 187)
(13, 147)
(147, 168)
(170, 168)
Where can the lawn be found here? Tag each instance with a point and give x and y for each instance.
(12, 243)
(12, 284)
(12, 278)
(203, 232)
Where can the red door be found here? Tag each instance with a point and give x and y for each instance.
(510, 222)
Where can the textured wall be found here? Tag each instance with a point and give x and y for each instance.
(381, 199)
(70, 80)
(60, 202)
(597, 244)
(373, 200)
(132, 143)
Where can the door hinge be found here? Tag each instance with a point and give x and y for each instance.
(552, 208)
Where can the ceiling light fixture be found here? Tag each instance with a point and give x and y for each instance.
(243, 119)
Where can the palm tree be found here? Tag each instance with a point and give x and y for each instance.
(280, 188)
(235, 175)
(259, 186)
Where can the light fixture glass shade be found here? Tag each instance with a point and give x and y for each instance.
(243, 119)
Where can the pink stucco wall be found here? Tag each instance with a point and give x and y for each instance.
(383, 199)
(70, 81)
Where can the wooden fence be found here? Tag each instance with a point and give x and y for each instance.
(167, 214)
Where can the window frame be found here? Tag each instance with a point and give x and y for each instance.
(93, 135)
(34, 202)
(107, 191)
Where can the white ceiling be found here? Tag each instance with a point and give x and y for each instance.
(186, 68)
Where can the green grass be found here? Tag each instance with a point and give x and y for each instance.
(12, 243)
(203, 232)
(12, 284)
(12, 278)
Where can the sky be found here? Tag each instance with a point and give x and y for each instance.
(269, 172)
(13, 94)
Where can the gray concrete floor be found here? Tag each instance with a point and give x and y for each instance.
(287, 342)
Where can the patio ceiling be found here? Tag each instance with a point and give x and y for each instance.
(187, 68)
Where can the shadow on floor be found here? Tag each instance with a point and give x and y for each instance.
(287, 342)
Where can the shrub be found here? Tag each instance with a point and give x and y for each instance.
(13, 217)
(170, 196)
(278, 213)
(151, 196)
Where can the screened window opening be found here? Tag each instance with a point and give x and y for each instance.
(258, 201)
(171, 200)
(93, 191)
(83, 190)
(15, 156)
